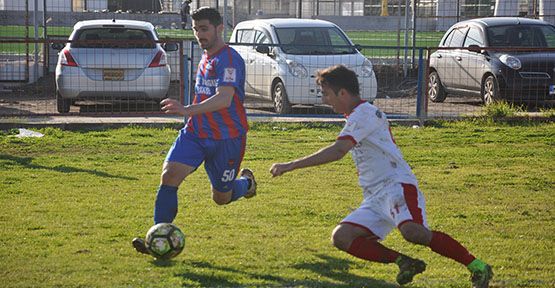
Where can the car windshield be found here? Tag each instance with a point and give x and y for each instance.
(314, 41)
(113, 37)
(521, 36)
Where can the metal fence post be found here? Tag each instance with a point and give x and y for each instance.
(191, 90)
(421, 111)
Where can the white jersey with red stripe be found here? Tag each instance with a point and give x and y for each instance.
(378, 160)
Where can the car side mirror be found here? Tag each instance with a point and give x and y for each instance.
(57, 46)
(358, 47)
(170, 46)
(475, 48)
(265, 49)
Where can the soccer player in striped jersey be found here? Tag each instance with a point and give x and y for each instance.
(391, 197)
(216, 129)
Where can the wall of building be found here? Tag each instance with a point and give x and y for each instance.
(68, 19)
(51, 5)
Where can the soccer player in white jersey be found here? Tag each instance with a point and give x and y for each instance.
(390, 189)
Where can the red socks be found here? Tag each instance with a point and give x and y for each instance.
(372, 250)
(446, 246)
(443, 244)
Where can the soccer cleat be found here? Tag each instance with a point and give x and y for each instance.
(480, 277)
(139, 245)
(247, 173)
(408, 268)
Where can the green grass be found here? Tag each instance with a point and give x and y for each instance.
(364, 38)
(501, 109)
(72, 201)
(63, 32)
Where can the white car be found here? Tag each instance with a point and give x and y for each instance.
(108, 60)
(283, 55)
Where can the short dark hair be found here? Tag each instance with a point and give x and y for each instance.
(207, 13)
(339, 77)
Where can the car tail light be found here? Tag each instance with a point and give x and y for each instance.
(159, 60)
(67, 59)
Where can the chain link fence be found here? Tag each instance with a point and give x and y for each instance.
(397, 37)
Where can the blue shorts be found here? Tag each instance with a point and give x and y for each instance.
(222, 158)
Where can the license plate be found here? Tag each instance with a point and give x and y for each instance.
(112, 74)
(551, 89)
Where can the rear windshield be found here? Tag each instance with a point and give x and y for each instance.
(521, 36)
(314, 41)
(113, 38)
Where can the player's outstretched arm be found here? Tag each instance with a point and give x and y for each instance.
(172, 106)
(325, 155)
(222, 99)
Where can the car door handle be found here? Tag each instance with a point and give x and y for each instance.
(458, 58)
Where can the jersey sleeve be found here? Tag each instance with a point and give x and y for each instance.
(231, 71)
(362, 124)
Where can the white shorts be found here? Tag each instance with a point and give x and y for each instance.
(388, 208)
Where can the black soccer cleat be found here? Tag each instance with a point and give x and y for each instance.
(247, 173)
(481, 278)
(139, 245)
(408, 268)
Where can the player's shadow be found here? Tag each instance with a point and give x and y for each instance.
(27, 162)
(335, 272)
(338, 270)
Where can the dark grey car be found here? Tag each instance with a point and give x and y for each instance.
(497, 58)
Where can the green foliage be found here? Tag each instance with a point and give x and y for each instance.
(548, 112)
(71, 202)
(501, 109)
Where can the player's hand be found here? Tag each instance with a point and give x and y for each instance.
(172, 106)
(278, 169)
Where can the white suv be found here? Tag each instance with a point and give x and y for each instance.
(283, 55)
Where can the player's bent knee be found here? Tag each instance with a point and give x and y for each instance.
(340, 239)
(174, 173)
(415, 233)
(221, 198)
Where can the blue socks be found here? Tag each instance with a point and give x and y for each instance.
(165, 207)
(240, 187)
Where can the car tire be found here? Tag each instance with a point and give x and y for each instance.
(62, 104)
(490, 90)
(436, 91)
(281, 102)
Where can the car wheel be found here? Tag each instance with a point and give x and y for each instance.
(62, 104)
(281, 102)
(490, 90)
(436, 92)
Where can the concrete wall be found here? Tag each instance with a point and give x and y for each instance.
(547, 9)
(68, 19)
(51, 5)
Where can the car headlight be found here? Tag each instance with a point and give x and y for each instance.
(510, 61)
(297, 69)
(367, 68)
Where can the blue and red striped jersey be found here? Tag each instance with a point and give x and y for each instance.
(224, 68)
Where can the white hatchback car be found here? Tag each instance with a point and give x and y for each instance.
(283, 55)
(108, 60)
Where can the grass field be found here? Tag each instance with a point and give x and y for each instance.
(364, 38)
(72, 201)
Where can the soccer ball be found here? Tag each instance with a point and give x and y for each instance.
(164, 241)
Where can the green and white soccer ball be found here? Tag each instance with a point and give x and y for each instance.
(164, 241)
